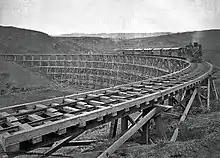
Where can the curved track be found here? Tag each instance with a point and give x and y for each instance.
(31, 125)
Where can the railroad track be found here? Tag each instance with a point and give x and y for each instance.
(31, 125)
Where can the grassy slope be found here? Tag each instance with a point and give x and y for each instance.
(19, 76)
(209, 40)
(15, 78)
(15, 40)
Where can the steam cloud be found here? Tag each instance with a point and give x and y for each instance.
(196, 37)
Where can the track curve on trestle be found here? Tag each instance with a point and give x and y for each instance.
(40, 123)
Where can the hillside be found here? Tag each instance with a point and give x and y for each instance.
(208, 38)
(14, 76)
(16, 40)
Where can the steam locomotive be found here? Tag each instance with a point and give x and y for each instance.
(193, 52)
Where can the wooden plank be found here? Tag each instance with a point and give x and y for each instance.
(12, 126)
(124, 124)
(146, 132)
(8, 129)
(113, 128)
(138, 117)
(203, 87)
(92, 96)
(4, 114)
(100, 119)
(160, 127)
(68, 100)
(103, 98)
(24, 126)
(39, 106)
(88, 106)
(34, 117)
(215, 90)
(55, 114)
(117, 97)
(36, 139)
(172, 114)
(123, 93)
(200, 102)
(133, 123)
(37, 120)
(163, 106)
(127, 135)
(79, 142)
(13, 147)
(54, 104)
(52, 110)
(69, 109)
(69, 115)
(114, 114)
(61, 131)
(183, 96)
(81, 104)
(96, 103)
(111, 92)
(202, 96)
(59, 144)
(136, 89)
(183, 117)
(208, 94)
(134, 93)
(3, 153)
(11, 119)
(2, 140)
(188, 106)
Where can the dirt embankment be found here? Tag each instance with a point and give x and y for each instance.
(14, 76)
(17, 82)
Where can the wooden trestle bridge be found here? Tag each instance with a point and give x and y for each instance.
(147, 81)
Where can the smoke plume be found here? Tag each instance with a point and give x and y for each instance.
(197, 36)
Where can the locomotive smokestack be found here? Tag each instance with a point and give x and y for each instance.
(195, 44)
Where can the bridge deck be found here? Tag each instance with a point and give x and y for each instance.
(27, 126)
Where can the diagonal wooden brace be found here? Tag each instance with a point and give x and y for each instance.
(61, 143)
(183, 117)
(128, 134)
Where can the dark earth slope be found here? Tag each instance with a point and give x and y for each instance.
(15, 40)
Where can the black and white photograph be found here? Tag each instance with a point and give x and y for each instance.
(109, 78)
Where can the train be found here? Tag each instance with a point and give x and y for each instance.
(191, 52)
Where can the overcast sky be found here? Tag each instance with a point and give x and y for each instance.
(94, 16)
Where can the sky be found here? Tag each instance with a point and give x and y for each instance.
(99, 16)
